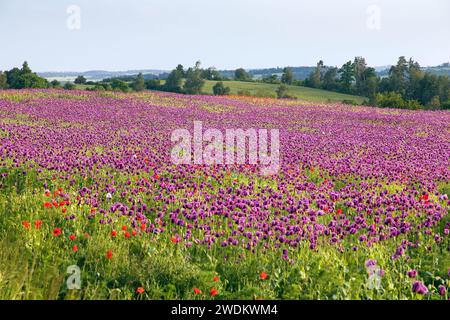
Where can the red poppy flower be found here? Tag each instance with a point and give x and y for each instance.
(37, 224)
(216, 278)
(197, 291)
(72, 237)
(213, 292)
(124, 228)
(113, 233)
(57, 232)
(109, 254)
(140, 290)
(127, 234)
(64, 210)
(174, 239)
(75, 248)
(47, 204)
(26, 224)
(134, 232)
(263, 275)
(143, 226)
(339, 211)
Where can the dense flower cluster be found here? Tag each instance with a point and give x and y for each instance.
(360, 174)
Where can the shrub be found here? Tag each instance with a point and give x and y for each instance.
(119, 85)
(395, 100)
(349, 101)
(282, 93)
(389, 100)
(412, 104)
(55, 84)
(219, 89)
(69, 86)
(435, 102)
(153, 84)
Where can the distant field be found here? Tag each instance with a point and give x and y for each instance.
(257, 88)
(302, 93)
(83, 86)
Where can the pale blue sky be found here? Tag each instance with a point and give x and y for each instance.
(159, 34)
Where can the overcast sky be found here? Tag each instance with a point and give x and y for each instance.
(159, 34)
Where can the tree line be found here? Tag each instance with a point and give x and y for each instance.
(188, 81)
(406, 85)
(179, 80)
(23, 78)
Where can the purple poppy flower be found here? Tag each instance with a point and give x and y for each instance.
(419, 287)
(371, 263)
(412, 273)
(442, 290)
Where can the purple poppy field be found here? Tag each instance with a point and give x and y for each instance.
(92, 207)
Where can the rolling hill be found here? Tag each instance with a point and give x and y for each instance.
(301, 93)
(269, 90)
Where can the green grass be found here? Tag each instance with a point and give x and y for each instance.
(301, 93)
(83, 86)
(269, 90)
